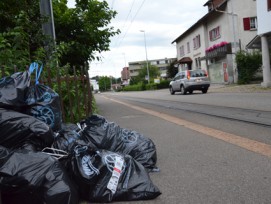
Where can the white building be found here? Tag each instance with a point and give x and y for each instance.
(263, 39)
(211, 43)
(162, 65)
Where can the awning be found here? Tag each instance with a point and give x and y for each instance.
(255, 43)
(185, 60)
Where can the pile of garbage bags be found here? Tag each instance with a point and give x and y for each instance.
(43, 160)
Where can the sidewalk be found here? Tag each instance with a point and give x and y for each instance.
(235, 88)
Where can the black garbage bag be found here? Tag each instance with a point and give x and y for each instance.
(19, 130)
(105, 176)
(44, 104)
(67, 137)
(34, 177)
(110, 136)
(13, 90)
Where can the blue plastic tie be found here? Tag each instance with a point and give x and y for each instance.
(38, 72)
(35, 66)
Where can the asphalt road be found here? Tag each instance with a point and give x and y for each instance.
(197, 166)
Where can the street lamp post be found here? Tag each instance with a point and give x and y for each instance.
(148, 73)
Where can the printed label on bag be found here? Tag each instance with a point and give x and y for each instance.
(114, 180)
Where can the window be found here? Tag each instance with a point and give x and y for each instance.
(196, 42)
(182, 51)
(253, 23)
(162, 62)
(214, 34)
(268, 5)
(250, 23)
(188, 47)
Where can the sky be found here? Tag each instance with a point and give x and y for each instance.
(162, 22)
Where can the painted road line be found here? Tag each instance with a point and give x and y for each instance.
(251, 145)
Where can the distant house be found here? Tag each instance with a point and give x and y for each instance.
(263, 39)
(211, 43)
(162, 65)
(125, 76)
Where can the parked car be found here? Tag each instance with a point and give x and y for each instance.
(189, 81)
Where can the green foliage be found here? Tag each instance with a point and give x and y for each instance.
(104, 83)
(135, 80)
(21, 38)
(80, 32)
(163, 84)
(151, 86)
(143, 86)
(85, 27)
(172, 70)
(248, 65)
(136, 87)
(153, 72)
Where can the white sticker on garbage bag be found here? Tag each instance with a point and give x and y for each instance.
(114, 180)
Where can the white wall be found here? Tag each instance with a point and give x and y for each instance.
(244, 9)
(194, 53)
(264, 17)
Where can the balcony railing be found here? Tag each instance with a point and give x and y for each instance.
(219, 51)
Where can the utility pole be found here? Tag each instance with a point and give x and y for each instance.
(46, 9)
(148, 73)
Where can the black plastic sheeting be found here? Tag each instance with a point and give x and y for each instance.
(34, 177)
(67, 137)
(44, 161)
(44, 104)
(19, 130)
(36, 100)
(110, 136)
(13, 90)
(105, 176)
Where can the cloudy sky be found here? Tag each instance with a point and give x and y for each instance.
(162, 20)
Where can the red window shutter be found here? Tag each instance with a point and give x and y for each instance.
(269, 5)
(246, 23)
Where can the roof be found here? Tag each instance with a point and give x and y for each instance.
(209, 1)
(184, 60)
(200, 21)
(255, 43)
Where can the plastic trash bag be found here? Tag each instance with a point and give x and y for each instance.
(44, 104)
(36, 178)
(23, 131)
(110, 136)
(13, 89)
(67, 137)
(40, 101)
(105, 176)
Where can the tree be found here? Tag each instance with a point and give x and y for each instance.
(248, 65)
(104, 83)
(172, 70)
(153, 72)
(84, 28)
(21, 37)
